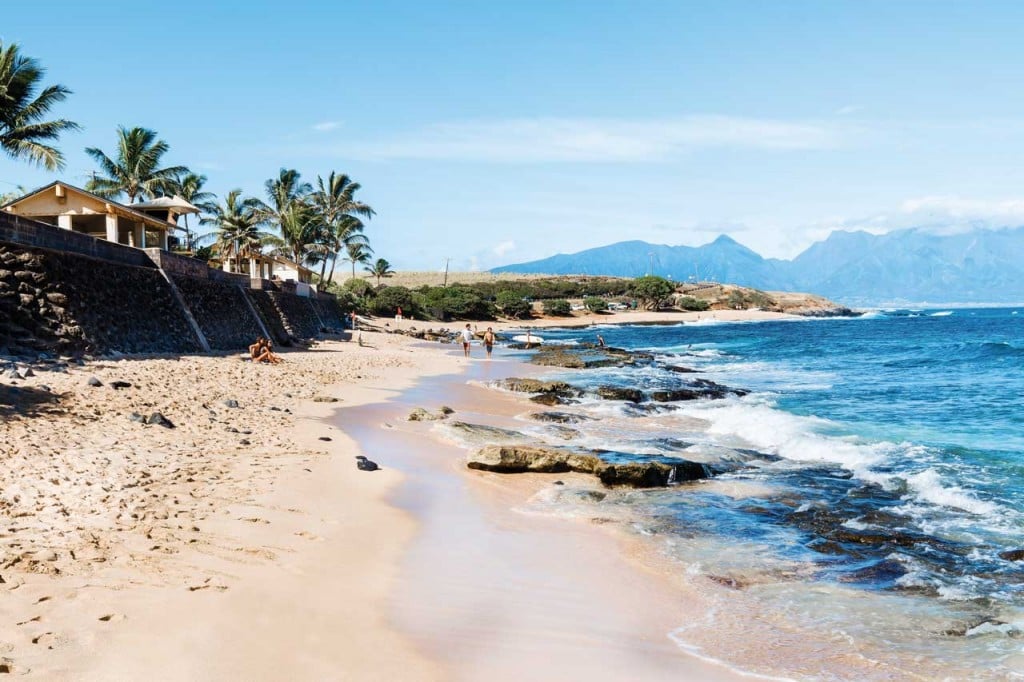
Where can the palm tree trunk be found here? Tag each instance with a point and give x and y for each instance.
(334, 262)
(353, 268)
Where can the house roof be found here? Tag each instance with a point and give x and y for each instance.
(115, 207)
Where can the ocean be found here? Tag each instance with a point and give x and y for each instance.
(867, 491)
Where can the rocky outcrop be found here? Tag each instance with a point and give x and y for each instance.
(652, 474)
(221, 311)
(511, 459)
(588, 357)
(545, 392)
(697, 389)
(514, 459)
(632, 395)
(70, 303)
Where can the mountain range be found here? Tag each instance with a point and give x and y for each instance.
(912, 266)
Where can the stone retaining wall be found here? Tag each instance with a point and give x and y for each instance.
(221, 311)
(68, 303)
(330, 312)
(297, 313)
(267, 310)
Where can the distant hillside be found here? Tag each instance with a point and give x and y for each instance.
(855, 268)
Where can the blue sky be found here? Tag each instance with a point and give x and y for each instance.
(491, 133)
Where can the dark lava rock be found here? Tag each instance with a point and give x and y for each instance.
(1012, 555)
(136, 417)
(697, 389)
(364, 464)
(93, 381)
(680, 370)
(231, 403)
(560, 417)
(325, 438)
(652, 474)
(632, 395)
(244, 441)
(28, 373)
(117, 385)
(160, 420)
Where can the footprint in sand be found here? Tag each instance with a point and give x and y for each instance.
(309, 536)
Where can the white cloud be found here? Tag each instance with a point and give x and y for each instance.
(959, 208)
(504, 247)
(325, 126)
(610, 140)
(848, 109)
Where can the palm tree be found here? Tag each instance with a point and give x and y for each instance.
(237, 222)
(23, 133)
(299, 227)
(189, 186)
(345, 237)
(337, 208)
(358, 253)
(380, 268)
(136, 171)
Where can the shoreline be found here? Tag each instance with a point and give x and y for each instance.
(242, 574)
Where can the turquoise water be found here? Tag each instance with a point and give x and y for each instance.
(885, 455)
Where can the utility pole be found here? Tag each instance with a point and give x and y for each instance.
(446, 261)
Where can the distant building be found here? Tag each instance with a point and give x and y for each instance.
(273, 268)
(145, 225)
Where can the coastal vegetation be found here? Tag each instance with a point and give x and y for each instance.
(135, 169)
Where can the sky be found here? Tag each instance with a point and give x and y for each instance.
(488, 133)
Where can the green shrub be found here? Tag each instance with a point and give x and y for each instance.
(512, 305)
(455, 302)
(691, 303)
(595, 304)
(359, 287)
(557, 306)
(388, 300)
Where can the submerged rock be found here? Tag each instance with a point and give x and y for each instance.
(1012, 555)
(560, 417)
(423, 415)
(482, 431)
(588, 356)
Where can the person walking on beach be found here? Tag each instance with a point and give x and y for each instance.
(353, 320)
(489, 341)
(398, 314)
(467, 338)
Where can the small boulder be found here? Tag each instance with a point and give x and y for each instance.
(118, 385)
(1012, 555)
(231, 402)
(364, 464)
(512, 459)
(160, 420)
(93, 381)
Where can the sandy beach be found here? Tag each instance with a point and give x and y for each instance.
(243, 543)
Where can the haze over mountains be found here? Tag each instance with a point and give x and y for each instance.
(856, 268)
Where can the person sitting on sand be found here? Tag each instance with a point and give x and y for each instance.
(256, 348)
(266, 354)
